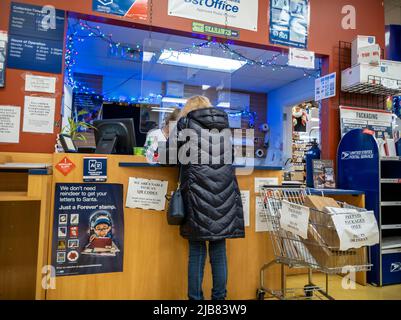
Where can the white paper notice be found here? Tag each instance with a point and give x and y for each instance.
(40, 84)
(10, 118)
(259, 182)
(39, 114)
(295, 219)
(301, 58)
(146, 194)
(356, 229)
(245, 205)
(261, 222)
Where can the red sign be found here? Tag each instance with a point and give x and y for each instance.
(65, 166)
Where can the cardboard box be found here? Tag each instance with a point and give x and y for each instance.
(321, 221)
(393, 69)
(360, 74)
(319, 203)
(330, 258)
(362, 41)
(369, 55)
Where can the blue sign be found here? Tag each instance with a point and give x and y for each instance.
(289, 22)
(325, 87)
(35, 54)
(88, 229)
(95, 169)
(127, 8)
(36, 38)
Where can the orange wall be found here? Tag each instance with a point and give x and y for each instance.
(325, 33)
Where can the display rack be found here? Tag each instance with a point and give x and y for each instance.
(380, 179)
(375, 86)
(361, 96)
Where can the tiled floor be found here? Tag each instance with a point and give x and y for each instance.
(336, 290)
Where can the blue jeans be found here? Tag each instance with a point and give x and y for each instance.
(196, 265)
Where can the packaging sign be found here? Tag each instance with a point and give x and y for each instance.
(245, 196)
(378, 121)
(301, 58)
(133, 9)
(325, 87)
(10, 118)
(36, 38)
(88, 229)
(199, 27)
(3, 54)
(95, 170)
(260, 182)
(356, 229)
(241, 14)
(65, 166)
(39, 114)
(289, 22)
(40, 84)
(295, 219)
(146, 194)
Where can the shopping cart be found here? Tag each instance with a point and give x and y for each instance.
(320, 252)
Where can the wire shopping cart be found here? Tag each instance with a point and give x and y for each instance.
(319, 252)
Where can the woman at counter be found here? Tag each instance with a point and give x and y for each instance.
(212, 201)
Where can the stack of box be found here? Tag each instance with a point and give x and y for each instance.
(367, 66)
(323, 242)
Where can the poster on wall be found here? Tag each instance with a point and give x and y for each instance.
(88, 229)
(241, 14)
(3, 53)
(133, 9)
(36, 38)
(289, 22)
(10, 118)
(378, 121)
(325, 87)
(39, 114)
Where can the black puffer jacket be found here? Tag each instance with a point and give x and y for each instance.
(210, 191)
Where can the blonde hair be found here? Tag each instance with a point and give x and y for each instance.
(195, 103)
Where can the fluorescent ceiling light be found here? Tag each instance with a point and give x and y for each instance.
(174, 100)
(224, 105)
(165, 110)
(199, 61)
(205, 87)
(147, 56)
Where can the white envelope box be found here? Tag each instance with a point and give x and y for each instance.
(370, 55)
(363, 41)
(393, 68)
(360, 74)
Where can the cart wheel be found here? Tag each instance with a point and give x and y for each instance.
(260, 294)
(308, 289)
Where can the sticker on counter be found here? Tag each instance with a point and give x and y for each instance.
(146, 194)
(245, 195)
(65, 166)
(95, 169)
(262, 224)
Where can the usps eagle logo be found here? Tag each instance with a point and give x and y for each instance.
(396, 267)
(106, 2)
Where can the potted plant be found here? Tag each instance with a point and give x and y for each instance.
(73, 127)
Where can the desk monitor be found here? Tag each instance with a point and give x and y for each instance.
(115, 136)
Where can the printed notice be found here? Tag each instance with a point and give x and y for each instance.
(262, 223)
(39, 114)
(356, 229)
(9, 124)
(245, 205)
(295, 218)
(40, 84)
(260, 182)
(146, 194)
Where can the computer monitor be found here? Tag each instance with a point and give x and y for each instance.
(115, 136)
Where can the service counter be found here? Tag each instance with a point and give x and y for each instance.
(155, 255)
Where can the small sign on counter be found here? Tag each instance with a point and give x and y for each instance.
(146, 194)
(95, 169)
